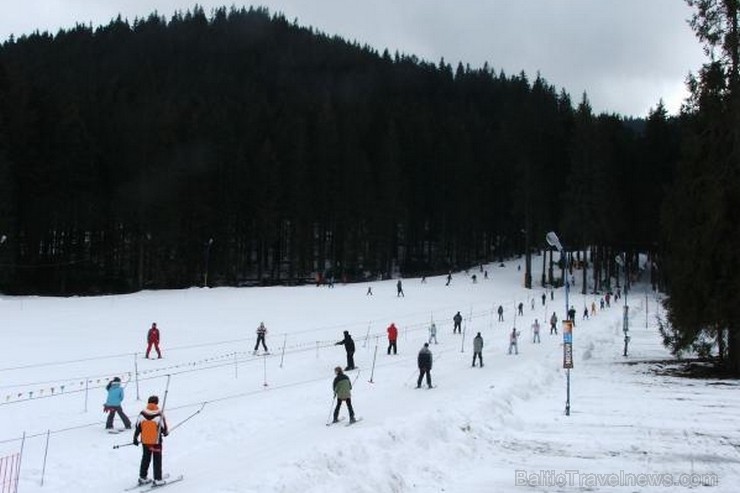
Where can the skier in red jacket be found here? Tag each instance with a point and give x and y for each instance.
(152, 339)
(392, 337)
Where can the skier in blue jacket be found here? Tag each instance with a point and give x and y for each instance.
(113, 404)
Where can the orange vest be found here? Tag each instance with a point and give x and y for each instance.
(151, 423)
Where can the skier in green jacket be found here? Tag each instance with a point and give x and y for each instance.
(343, 391)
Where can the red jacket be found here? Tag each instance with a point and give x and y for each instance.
(153, 335)
(392, 332)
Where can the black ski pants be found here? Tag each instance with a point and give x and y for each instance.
(349, 408)
(149, 452)
(422, 372)
(260, 338)
(112, 411)
(350, 360)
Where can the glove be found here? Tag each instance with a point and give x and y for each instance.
(136, 442)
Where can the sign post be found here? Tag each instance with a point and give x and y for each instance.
(567, 359)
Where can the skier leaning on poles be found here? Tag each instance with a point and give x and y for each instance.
(151, 426)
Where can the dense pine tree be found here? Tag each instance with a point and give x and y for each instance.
(700, 226)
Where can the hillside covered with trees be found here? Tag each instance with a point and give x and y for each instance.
(239, 148)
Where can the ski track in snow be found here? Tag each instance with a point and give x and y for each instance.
(471, 433)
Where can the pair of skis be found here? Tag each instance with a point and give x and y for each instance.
(357, 420)
(149, 485)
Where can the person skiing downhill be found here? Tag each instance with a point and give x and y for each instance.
(152, 339)
(399, 289)
(433, 333)
(554, 324)
(113, 404)
(536, 331)
(392, 338)
(342, 386)
(424, 362)
(478, 349)
(261, 332)
(572, 314)
(520, 308)
(513, 338)
(151, 425)
(457, 327)
(349, 347)
(500, 313)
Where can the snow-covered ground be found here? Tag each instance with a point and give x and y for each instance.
(498, 428)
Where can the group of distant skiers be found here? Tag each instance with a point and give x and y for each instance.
(151, 424)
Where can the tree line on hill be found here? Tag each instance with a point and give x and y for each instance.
(240, 148)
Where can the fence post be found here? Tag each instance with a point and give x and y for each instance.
(20, 459)
(46, 453)
(367, 335)
(375, 355)
(282, 354)
(136, 375)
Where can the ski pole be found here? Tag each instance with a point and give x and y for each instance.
(331, 409)
(129, 444)
(188, 418)
(356, 377)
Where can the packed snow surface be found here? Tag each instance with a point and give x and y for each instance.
(261, 425)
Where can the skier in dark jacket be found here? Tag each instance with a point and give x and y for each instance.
(399, 289)
(572, 315)
(343, 391)
(478, 349)
(261, 333)
(424, 361)
(349, 346)
(457, 319)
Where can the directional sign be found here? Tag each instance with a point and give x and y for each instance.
(567, 344)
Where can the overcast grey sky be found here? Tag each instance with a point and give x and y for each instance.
(626, 54)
